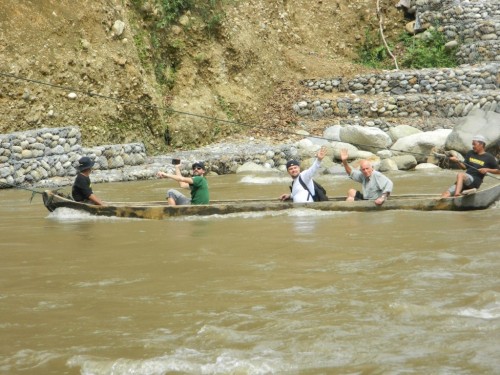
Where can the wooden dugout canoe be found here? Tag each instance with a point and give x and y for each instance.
(160, 210)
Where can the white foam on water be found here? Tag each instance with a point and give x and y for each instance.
(265, 180)
(106, 282)
(292, 212)
(492, 312)
(69, 215)
(28, 360)
(184, 360)
(495, 206)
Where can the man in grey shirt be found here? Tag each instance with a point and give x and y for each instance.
(375, 186)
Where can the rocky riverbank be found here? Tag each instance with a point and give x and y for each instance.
(48, 157)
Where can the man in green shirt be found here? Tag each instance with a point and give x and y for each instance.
(197, 184)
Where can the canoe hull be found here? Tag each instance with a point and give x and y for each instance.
(160, 210)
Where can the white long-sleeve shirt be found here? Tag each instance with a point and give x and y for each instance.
(299, 194)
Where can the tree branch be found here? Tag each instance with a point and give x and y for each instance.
(380, 23)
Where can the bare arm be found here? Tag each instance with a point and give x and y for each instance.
(182, 184)
(459, 163)
(489, 170)
(344, 154)
(183, 181)
(93, 198)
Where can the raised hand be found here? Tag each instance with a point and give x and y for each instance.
(321, 153)
(344, 154)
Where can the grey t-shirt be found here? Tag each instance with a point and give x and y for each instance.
(373, 187)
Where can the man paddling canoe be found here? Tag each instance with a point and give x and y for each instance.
(477, 164)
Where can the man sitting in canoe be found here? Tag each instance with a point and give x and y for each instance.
(82, 187)
(477, 163)
(197, 184)
(300, 193)
(375, 186)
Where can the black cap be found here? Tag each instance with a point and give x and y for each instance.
(85, 163)
(199, 164)
(291, 163)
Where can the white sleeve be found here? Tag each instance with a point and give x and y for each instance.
(299, 194)
(309, 173)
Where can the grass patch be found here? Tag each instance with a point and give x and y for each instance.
(428, 51)
(425, 51)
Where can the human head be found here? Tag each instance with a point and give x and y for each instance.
(198, 168)
(85, 163)
(366, 168)
(478, 143)
(293, 168)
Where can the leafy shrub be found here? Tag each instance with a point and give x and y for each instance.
(425, 51)
(372, 52)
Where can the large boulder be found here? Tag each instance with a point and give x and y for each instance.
(332, 133)
(365, 138)
(405, 162)
(388, 165)
(401, 131)
(426, 166)
(351, 150)
(318, 141)
(480, 122)
(422, 144)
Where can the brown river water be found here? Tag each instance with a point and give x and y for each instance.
(294, 292)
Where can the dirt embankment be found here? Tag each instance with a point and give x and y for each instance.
(248, 72)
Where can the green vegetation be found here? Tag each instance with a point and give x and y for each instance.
(172, 10)
(425, 51)
(165, 51)
(141, 48)
(209, 12)
(372, 52)
(428, 51)
(225, 107)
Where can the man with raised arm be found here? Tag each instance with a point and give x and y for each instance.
(375, 186)
(197, 184)
(299, 194)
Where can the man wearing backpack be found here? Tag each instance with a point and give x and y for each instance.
(302, 189)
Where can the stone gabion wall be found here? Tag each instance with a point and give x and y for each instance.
(475, 25)
(424, 5)
(39, 154)
(444, 105)
(464, 78)
(116, 156)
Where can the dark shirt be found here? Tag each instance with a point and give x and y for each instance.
(82, 188)
(473, 162)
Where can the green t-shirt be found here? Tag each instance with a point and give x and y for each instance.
(199, 190)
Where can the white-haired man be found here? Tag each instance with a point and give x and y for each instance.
(375, 186)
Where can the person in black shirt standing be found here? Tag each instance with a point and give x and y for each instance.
(477, 163)
(82, 187)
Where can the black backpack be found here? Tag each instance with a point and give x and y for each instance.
(319, 191)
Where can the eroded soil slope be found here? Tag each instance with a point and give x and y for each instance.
(248, 72)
